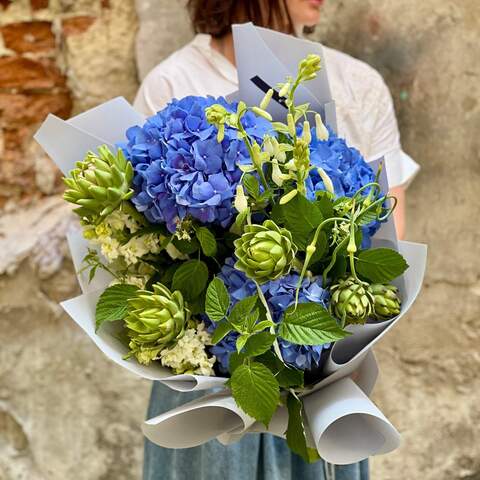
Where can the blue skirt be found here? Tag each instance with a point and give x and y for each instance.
(254, 457)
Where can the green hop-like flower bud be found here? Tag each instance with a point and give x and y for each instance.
(265, 252)
(387, 302)
(154, 321)
(351, 301)
(99, 183)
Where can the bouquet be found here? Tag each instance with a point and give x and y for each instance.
(237, 251)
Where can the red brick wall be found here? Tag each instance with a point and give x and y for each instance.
(32, 84)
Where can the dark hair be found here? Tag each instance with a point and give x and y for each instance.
(216, 17)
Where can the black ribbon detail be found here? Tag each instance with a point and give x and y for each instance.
(265, 87)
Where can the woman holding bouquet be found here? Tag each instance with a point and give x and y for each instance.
(366, 119)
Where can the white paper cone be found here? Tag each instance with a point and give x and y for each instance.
(66, 144)
(346, 426)
(109, 121)
(82, 311)
(197, 422)
(277, 56)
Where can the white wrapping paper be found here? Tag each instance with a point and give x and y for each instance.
(197, 422)
(277, 56)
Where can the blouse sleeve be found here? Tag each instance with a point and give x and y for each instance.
(154, 93)
(385, 140)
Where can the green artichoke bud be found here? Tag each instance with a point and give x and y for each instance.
(265, 252)
(99, 183)
(351, 301)
(387, 302)
(154, 321)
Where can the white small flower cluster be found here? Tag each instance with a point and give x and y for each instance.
(118, 220)
(189, 355)
(139, 246)
(108, 235)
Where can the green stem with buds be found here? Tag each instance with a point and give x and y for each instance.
(310, 250)
(248, 144)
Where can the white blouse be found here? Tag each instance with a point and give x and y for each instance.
(365, 112)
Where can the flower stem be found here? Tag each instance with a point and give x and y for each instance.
(276, 346)
(246, 139)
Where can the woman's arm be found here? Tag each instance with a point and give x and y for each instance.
(399, 212)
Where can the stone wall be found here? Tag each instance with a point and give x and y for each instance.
(56, 56)
(67, 413)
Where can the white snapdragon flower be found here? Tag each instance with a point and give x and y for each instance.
(118, 220)
(134, 249)
(153, 242)
(110, 247)
(189, 355)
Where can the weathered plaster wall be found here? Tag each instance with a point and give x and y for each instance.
(429, 388)
(67, 413)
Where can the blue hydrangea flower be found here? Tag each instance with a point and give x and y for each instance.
(181, 169)
(279, 294)
(347, 169)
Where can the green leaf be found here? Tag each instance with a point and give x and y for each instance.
(113, 302)
(300, 111)
(380, 265)
(190, 278)
(167, 275)
(339, 268)
(271, 361)
(325, 203)
(241, 309)
(255, 391)
(296, 437)
(262, 326)
(280, 127)
(207, 241)
(301, 218)
(290, 377)
(321, 247)
(368, 217)
(277, 214)
(310, 324)
(251, 320)
(241, 341)
(186, 246)
(197, 305)
(223, 328)
(240, 220)
(217, 300)
(250, 182)
(258, 344)
(236, 359)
